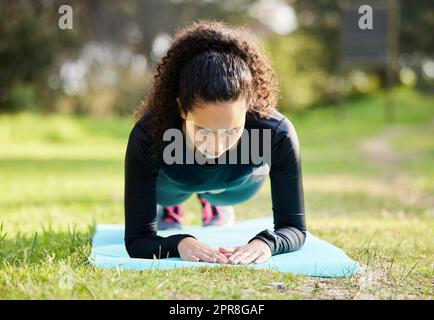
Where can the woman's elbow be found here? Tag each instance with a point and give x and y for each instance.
(301, 235)
(130, 249)
(135, 250)
(303, 238)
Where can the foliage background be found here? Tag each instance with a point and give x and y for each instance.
(102, 67)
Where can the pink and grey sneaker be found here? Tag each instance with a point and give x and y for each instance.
(223, 216)
(169, 217)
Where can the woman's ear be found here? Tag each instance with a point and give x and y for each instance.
(181, 112)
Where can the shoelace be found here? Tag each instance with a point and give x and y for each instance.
(171, 214)
(207, 211)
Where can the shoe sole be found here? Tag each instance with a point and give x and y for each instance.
(163, 225)
(229, 222)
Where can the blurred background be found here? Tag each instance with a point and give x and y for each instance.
(103, 65)
(362, 102)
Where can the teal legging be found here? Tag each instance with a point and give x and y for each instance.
(168, 194)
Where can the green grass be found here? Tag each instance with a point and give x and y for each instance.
(369, 188)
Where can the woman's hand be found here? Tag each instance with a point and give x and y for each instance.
(257, 251)
(191, 249)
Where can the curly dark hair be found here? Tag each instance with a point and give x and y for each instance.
(208, 61)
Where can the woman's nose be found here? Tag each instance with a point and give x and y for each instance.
(217, 145)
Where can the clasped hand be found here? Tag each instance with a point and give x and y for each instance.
(191, 249)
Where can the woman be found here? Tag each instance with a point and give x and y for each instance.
(214, 87)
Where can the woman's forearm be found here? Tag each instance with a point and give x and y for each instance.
(149, 246)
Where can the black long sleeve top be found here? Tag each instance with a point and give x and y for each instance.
(141, 172)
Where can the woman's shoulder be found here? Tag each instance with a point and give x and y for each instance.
(140, 129)
(277, 122)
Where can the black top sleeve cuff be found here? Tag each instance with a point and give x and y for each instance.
(268, 237)
(174, 241)
(283, 240)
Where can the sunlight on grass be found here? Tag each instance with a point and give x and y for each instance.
(61, 175)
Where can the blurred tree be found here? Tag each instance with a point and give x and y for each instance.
(33, 49)
(417, 23)
(30, 42)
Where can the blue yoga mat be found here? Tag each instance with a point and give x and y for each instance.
(317, 257)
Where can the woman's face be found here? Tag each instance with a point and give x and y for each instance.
(214, 128)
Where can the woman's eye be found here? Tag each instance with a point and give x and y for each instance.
(231, 131)
(205, 131)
